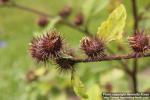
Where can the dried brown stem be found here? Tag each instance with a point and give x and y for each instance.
(113, 57)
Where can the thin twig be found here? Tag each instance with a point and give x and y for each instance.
(134, 10)
(134, 75)
(135, 62)
(21, 7)
(112, 57)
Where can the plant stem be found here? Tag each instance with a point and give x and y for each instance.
(135, 62)
(111, 57)
(135, 15)
(134, 75)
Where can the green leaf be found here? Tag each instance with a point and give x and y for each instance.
(93, 7)
(94, 93)
(100, 5)
(112, 28)
(78, 86)
(87, 8)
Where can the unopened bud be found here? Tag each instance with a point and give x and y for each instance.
(65, 12)
(42, 21)
(31, 76)
(79, 19)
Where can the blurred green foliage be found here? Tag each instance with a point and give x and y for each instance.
(17, 28)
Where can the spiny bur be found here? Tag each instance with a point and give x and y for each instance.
(139, 42)
(93, 47)
(47, 46)
(65, 64)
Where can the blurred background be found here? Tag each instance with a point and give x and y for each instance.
(22, 78)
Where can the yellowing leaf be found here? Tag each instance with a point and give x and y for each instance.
(112, 28)
(78, 86)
